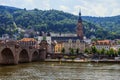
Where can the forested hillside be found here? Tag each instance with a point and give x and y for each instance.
(111, 24)
(14, 20)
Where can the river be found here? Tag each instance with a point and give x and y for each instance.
(63, 71)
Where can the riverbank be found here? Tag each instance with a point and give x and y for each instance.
(83, 61)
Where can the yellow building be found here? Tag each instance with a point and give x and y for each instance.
(58, 47)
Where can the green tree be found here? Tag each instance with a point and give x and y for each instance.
(86, 51)
(57, 21)
(93, 49)
(71, 51)
(77, 51)
(119, 51)
(103, 51)
(63, 50)
(108, 52)
(44, 37)
(99, 51)
(111, 52)
(115, 53)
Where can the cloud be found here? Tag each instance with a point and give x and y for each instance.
(64, 8)
(29, 4)
(88, 7)
(18, 3)
(46, 4)
(78, 8)
(116, 12)
(98, 8)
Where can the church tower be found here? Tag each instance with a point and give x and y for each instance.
(79, 28)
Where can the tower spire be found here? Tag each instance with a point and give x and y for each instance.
(80, 27)
(80, 12)
(80, 19)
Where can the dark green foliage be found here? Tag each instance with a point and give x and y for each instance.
(110, 26)
(71, 51)
(77, 51)
(50, 20)
(87, 51)
(93, 49)
(111, 51)
(56, 21)
(119, 51)
(103, 51)
(63, 50)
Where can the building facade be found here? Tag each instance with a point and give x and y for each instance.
(74, 44)
(66, 41)
(106, 44)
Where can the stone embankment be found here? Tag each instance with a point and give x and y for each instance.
(83, 61)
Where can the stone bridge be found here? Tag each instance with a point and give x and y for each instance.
(13, 53)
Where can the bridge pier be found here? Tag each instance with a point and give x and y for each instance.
(42, 54)
(43, 50)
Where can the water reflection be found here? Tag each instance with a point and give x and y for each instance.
(64, 71)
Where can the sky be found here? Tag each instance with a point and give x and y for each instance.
(99, 8)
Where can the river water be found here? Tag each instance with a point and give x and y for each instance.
(63, 71)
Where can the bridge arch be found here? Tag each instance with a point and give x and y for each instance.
(35, 56)
(7, 56)
(23, 56)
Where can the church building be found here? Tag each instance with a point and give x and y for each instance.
(67, 41)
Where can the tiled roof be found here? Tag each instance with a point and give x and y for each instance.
(27, 39)
(103, 42)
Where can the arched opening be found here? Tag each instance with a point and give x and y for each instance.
(7, 56)
(35, 56)
(23, 56)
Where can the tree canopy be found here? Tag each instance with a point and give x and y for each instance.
(14, 20)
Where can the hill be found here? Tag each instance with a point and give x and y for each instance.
(15, 21)
(110, 24)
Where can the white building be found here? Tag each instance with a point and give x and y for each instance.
(106, 44)
(47, 38)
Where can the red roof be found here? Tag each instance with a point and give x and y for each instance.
(27, 39)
